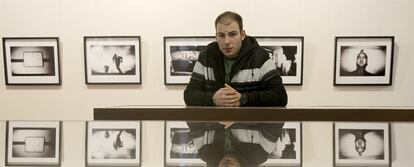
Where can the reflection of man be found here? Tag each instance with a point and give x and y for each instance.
(361, 65)
(241, 145)
(117, 60)
(360, 142)
(118, 143)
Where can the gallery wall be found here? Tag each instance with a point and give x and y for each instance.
(318, 21)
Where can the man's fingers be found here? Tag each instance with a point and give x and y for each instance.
(229, 87)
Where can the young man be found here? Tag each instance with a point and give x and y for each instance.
(234, 71)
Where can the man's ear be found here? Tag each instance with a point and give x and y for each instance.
(243, 34)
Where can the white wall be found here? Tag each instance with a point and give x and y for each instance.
(319, 21)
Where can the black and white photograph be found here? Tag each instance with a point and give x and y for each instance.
(31, 61)
(363, 60)
(362, 144)
(288, 151)
(113, 143)
(112, 59)
(180, 57)
(287, 55)
(33, 143)
(179, 147)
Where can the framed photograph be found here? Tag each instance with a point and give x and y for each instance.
(288, 151)
(180, 56)
(287, 54)
(113, 143)
(362, 144)
(33, 143)
(363, 60)
(112, 59)
(179, 147)
(31, 61)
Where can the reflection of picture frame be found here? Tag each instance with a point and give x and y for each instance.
(178, 146)
(362, 144)
(180, 56)
(31, 61)
(33, 143)
(289, 147)
(112, 59)
(287, 54)
(363, 60)
(113, 143)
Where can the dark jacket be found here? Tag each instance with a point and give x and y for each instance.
(252, 142)
(252, 74)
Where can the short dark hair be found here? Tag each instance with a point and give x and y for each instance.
(231, 16)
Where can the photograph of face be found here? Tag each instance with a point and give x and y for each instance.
(113, 144)
(33, 142)
(284, 58)
(183, 59)
(362, 60)
(361, 144)
(32, 61)
(182, 145)
(112, 59)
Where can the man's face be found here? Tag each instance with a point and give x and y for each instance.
(360, 146)
(229, 160)
(361, 59)
(229, 38)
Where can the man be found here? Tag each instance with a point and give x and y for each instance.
(231, 72)
(234, 71)
(117, 60)
(361, 65)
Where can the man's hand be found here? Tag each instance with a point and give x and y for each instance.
(226, 124)
(227, 97)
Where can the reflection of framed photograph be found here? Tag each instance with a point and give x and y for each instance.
(113, 143)
(112, 59)
(180, 56)
(287, 54)
(288, 151)
(31, 61)
(179, 147)
(362, 144)
(363, 60)
(30, 143)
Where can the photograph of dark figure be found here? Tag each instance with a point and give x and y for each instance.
(183, 59)
(362, 61)
(113, 143)
(361, 144)
(112, 59)
(117, 60)
(32, 61)
(238, 145)
(284, 57)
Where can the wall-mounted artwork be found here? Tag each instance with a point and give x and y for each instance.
(363, 60)
(179, 147)
(288, 151)
(33, 143)
(112, 59)
(180, 56)
(362, 144)
(113, 143)
(287, 54)
(31, 61)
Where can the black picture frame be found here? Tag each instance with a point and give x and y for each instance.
(106, 147)
(112, 59)
(31, 60)
(33, 143)
(363, 60)
(291, 141)
(287, 54)
(178, 150)
(180, 55)
(362, 144)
